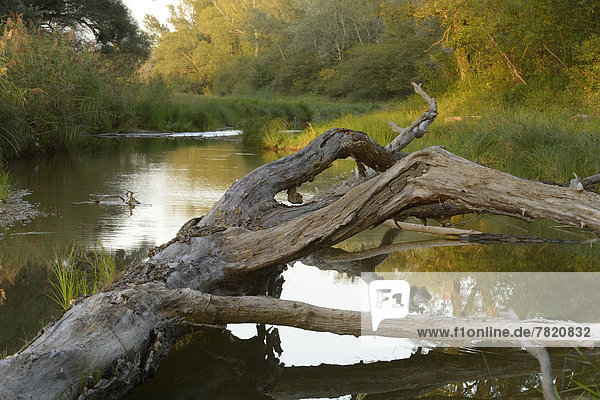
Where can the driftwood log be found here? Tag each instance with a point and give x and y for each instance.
(107, 344)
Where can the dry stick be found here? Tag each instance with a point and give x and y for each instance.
(432, 230)
(541, 354)
(510, 64)
(444, 36)
(555, 56)
(418, 127)
(508, 223)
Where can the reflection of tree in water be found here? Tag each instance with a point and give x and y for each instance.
(215, 364)
(496, 258)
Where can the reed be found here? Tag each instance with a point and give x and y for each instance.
(79, 272)
(5, 184)
(69, 281)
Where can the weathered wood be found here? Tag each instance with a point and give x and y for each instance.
(418, 128)
(111, 342)
(431, 230)
(428, 176)
(416, 375)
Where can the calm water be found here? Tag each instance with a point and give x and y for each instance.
(180, 179)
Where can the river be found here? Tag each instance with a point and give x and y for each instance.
(176, 180)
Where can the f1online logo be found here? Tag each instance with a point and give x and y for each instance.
(388, 299)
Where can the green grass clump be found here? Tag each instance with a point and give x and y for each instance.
(104, 266)
(78, 272)
(69, 281)
(4, 185)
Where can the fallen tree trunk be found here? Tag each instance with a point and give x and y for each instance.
(111, 342)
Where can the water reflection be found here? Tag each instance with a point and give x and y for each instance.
(181, 180)
(217, 365)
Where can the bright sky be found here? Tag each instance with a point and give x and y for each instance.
(158, 8)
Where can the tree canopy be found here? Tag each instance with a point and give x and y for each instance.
(366, 49)
(108, 22)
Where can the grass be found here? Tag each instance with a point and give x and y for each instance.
(69, 282)
(527, 141)
(156, 108)
(51, 94)
(5, 183)
(585, 381)
(78, 272)
(104, 266)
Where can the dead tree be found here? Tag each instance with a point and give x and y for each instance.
(109, 343)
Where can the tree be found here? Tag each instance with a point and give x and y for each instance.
(110, 342)
(331, 27)
(513, 40)
(206, 34)
(109, 22)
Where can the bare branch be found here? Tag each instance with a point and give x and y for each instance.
(418, 128)
(513, 69)
(541, 354)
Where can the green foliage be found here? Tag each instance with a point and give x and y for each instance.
(69, 282)
(371, 49)
(547, 144)
(78, 272)
(51, 93)
(501, 43)
(286, 46)
(5, 183)
(158, 108)
(108, 21)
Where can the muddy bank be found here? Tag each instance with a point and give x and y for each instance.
(16, 209)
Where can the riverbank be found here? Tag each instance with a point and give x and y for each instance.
(153, 107)
(54, 96)
(16, 209)
(159, 109)
(530, 141)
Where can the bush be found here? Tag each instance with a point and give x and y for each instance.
(52, 93)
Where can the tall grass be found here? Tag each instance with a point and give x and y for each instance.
(51, 93)
(104, 266)
(69, 282)
(157, 108)
(4, 185)
(79, 272)
(54, 94)
(524, 140)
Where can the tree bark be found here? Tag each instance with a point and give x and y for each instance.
(108, 343)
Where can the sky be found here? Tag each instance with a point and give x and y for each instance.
(158, 8)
